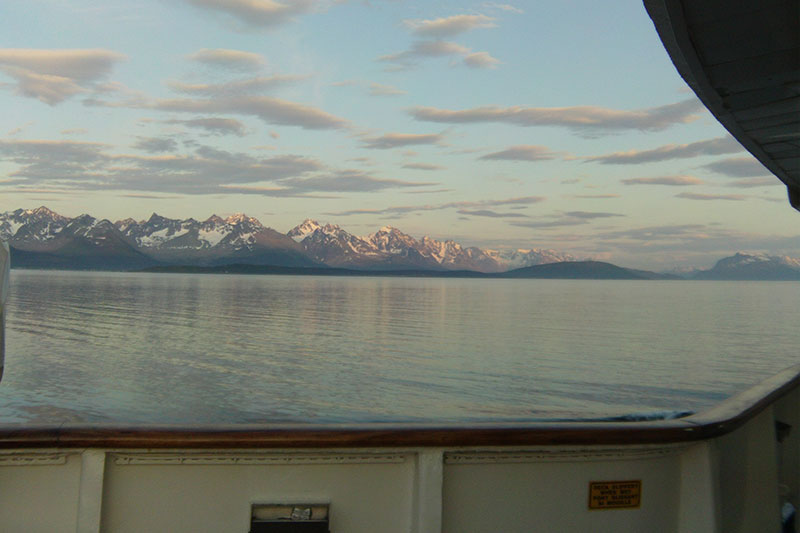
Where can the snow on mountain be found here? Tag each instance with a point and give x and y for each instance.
(391, 240)
(38, 224)
(391, 248)
(520, 258)
(753, 266)
(244, 239)
(236, 231)
(304, 229)
(332, 245)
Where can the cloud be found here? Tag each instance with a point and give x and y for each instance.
(589, 215)
(545, 224)
(587, 120)
(526, 152)
(75, 131)
(53, 76)
(596, 196)
(755, 182)
(214, 125)
(570, 218)
(156, 145)
(664, 180)
(205, 170)
(503, 7)
(429, 49)
(480, 60)
(489, 213)
(228, 59)
(738, 167)
(347, 181)
(379, 89)
(699, 239)
(270, 110)
(449, 26)
(423, 49)
(721, 145)
(423, 166)
(395, 140)
(699, 196)
(257, 13)
(236, 87)
(402, 210)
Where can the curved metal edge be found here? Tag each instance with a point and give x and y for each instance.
(670, 24)
(718, 421)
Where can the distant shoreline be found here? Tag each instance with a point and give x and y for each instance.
(590, 270)
(564, 270)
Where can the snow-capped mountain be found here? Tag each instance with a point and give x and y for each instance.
(333, 246)
(44, 239)
(520, 258)
(39, 224)
(753, 266)
(41, 237)
(390, 248)
(214, 241)
(304, 229)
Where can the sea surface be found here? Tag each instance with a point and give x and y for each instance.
(183, 348)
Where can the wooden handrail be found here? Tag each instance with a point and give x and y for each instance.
(719, 420)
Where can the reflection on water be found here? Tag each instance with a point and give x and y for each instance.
(120, 347)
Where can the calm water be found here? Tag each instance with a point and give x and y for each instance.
(114, 347)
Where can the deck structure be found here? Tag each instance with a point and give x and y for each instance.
(742, 59)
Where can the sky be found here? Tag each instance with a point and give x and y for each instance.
(559, 125)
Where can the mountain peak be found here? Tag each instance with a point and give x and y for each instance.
(42, 210)
(155, 218)
(305, 228)
(238, 218)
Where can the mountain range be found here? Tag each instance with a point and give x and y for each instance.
(41, 238)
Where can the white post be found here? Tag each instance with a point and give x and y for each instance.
(699, 490)
(90, 497)
(428, 492)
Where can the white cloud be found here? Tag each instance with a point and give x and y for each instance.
(156, 144)
(204, 170)
(270, 110)
(449, 26)
(721, 145)
(586, 120)
(379, 89)
(503, 7)
(243, 86)
(700, 196)
(402, 210)
(423, 166)
(739, 167)
(394, 140)
(428, 49)
(257, 13)
(675, 181)
(522, 153)
(480, 60)
(53, 76)
(214, 125)
(228, 59)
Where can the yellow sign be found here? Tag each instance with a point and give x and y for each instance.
(615, 494)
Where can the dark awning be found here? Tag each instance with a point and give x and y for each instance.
(742, 59)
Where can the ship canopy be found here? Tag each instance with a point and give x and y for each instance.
(742, 59)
